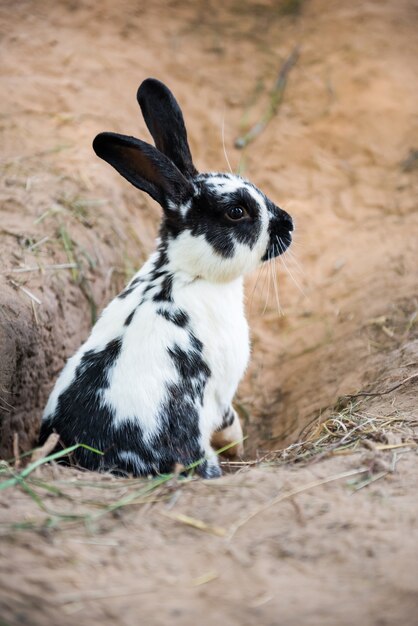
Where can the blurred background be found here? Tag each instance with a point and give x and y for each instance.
(315, 101)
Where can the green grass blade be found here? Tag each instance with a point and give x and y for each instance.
(52, 457)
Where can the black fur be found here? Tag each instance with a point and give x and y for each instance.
(280, 228)
(177, 317)
(207, 216)
(82, 416)
(165, 122)
(129, 318)
(191, 367)
(180, 412)
(144, 167)
(165, 293)
(136, 281)
(227, 419)
(126, 292)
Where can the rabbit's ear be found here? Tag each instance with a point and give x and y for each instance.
(144, 166)
(165, 122)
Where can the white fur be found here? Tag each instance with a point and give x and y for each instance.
(135, 387)
(217, 317)
(64, 380)
(188, 251)
(109, 326)
(226, 183)
(131, 457)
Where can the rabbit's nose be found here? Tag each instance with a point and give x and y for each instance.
(287, 221)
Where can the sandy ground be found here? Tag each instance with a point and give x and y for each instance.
(337, 156)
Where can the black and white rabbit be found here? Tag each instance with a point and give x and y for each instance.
(154, 381)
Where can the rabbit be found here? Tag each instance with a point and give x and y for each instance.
(154, 382)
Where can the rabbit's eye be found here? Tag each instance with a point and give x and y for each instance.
(236, 213)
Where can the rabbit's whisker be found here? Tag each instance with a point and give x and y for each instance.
(293, 258)
(260, 271)
(287, 268)
(276, 288)
(268, 283)
(265, 271)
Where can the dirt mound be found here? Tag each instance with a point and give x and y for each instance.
(340, 156)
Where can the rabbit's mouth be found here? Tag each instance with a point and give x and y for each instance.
(280, 237)
(278, 247)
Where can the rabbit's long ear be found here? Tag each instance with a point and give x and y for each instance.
(144, 166)
(165, 122)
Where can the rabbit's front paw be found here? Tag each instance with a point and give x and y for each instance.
(209, 468)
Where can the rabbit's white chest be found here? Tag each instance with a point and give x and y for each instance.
(217, 317)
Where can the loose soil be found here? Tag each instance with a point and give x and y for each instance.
(266, 544)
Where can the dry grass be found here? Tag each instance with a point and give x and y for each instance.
(66, 496)
(346, 431)
(70, 497)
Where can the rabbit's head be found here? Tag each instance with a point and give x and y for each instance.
(215, 226)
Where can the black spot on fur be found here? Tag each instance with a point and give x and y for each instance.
(155, 275)
(148, 288)
(192, 369)
(227, 419)
(165, 293)
(135, 281)
(125, 292)
(129, 318)
(195, 342)
(162, 258)
(178, 317)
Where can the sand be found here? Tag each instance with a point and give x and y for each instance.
(337, 156)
